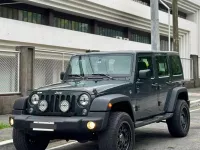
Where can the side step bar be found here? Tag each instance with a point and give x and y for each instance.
(153, 120)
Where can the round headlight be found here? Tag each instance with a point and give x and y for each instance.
(43, 105)
(35, 99)
(84, 100)
(64, 106)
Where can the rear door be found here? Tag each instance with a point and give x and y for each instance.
(163, 79)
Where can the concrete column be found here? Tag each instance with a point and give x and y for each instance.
(195, 70)
(27, 58)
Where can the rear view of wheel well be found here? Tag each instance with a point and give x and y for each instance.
(184, 96)
(123, 107)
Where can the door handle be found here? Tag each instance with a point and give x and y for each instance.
(169, 82)
(155, 84)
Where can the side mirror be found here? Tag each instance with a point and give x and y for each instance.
(62, 74)
(145, 74)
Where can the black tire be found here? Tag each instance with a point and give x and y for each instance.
(23, 141)
(179, 124)
(120, 131)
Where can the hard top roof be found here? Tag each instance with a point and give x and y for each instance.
(129, 52)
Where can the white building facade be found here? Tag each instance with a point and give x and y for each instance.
(58, 28)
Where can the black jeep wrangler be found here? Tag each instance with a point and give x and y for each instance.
(103, 97)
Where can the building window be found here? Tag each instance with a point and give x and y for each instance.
(140, 36)
(161, 7)
(22, 15)
(109, 30)
(164, 43)
(71, 24)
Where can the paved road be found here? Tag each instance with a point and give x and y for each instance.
(153, 137)
(157, 137)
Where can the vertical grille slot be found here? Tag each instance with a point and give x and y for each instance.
(57, 102)
(51, 103)
(73, 102)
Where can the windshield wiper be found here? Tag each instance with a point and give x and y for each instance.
(76, 75)
(101, 74)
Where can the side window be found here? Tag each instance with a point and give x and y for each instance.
(145, 62)
(162, 66)
(176, 65)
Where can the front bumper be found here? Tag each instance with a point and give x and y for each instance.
(61, 124)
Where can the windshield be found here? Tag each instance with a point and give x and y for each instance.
(89, 65)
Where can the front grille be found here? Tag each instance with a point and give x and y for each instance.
(54, 101)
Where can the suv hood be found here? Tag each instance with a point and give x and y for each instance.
(88, 86)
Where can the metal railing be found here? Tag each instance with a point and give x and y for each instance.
(187, 64)
(48, 66)
(9, 71)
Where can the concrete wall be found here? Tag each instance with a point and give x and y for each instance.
(6, 103)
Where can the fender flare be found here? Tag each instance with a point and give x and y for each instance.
(100, 104)
(172, 98)
(20, 104)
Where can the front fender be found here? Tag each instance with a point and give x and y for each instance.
(101, 103)
(20, 104)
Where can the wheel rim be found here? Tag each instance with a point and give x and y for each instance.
(184, 119)
(124, 137)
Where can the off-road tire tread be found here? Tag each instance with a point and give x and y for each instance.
(173, 123)
(107, 138)
(20, 141)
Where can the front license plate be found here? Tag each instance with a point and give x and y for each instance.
(43, 126)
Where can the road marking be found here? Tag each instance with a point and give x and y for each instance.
(194, 94)
(6, 142)
(195, 110)
(68, 144)
(195, 101)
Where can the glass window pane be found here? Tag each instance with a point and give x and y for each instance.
(1, 11)
(70, 25)
(20, 15)
(10, 13)
(62, 24)
(73, 25)
(5, 14)
(34, 18)
(162, 66)
(30, 17)
(176, 65)
(15, 14)
(39, 18)
(66, 24)
(56, 22)
(145, 62)
(59, 22)
(25, 16)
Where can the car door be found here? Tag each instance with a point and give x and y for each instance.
(163, 79)
(146, 94)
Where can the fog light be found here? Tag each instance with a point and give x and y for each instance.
(91, 125)
(11, 121)
(84, 112)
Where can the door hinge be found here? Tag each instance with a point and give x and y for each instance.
(137, 108)
(159, 103)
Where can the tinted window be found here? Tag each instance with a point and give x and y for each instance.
(162, 66)
(145, 62)
(176, 65)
